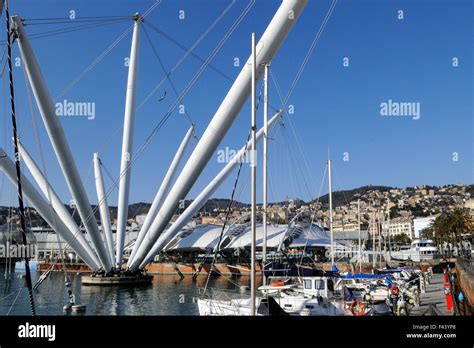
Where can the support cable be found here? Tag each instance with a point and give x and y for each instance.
(93, 64)
(206, 62)
(310, 51)
(54, 32)
(167, 115)
(188, 50)
(17, 163)
(162, 65)
(227, 215)
(67, 281)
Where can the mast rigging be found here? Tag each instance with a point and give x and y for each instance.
(17, 163)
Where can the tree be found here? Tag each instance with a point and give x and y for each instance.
(450, 226)
(428, 233)
(394, 213)
(459, 223)
(401, 238)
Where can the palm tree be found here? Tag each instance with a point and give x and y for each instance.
(459, 223)
(439, 229)
(429, 232)
(449, 227)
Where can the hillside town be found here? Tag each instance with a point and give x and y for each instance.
(411, 209)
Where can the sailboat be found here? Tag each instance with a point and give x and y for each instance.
(243, 306)
(275, 296)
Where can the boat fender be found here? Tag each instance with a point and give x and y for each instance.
(395, 290)
(357, 308)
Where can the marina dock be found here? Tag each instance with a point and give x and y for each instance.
(433, 296)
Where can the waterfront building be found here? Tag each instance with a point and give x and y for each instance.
(399, 225)
(419, 224)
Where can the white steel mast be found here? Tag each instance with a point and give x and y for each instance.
(230, 107)
(59, 142)
(388, 232)
(127, 145)
(201, 199)
(253, 169)
(265, 165)
(360, 240)
(44, 209)
(330, 212)
(163, 190)
(55, 201)
(103, 207)
(379, 233)
(373, 240)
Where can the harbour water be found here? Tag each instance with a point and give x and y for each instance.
(167, 295)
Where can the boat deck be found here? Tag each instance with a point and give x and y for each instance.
(434, 295)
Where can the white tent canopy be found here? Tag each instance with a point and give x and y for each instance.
(202, 237)
(309, 236)
(206, 237)
(275, 235)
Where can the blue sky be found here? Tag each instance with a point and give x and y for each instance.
(336, 108)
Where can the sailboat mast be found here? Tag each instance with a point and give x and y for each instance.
(379, 233)
(330, 212)
(225, 115)
(17, 162)
(373, 240)
(203, 196)
(265, 164)
(388, 232)
(360, 241)
(253, 168)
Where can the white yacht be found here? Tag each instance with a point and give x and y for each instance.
(420, 249)
(315, 298)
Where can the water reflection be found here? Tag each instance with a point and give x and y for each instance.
(166, 295)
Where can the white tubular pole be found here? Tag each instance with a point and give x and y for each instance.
(201, 199)
(379, 233)
(127, 146)
(388, 231)
(41, 205)
(360, 240)
(330, 212)
(230, 107)
(253, 168)
(373, 240)
(59, 142)
(164, 188)
(55, 201)
(265, 164)
(103, 208)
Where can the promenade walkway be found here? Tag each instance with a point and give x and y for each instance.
(434, 295)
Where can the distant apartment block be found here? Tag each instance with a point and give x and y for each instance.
(397, 226)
